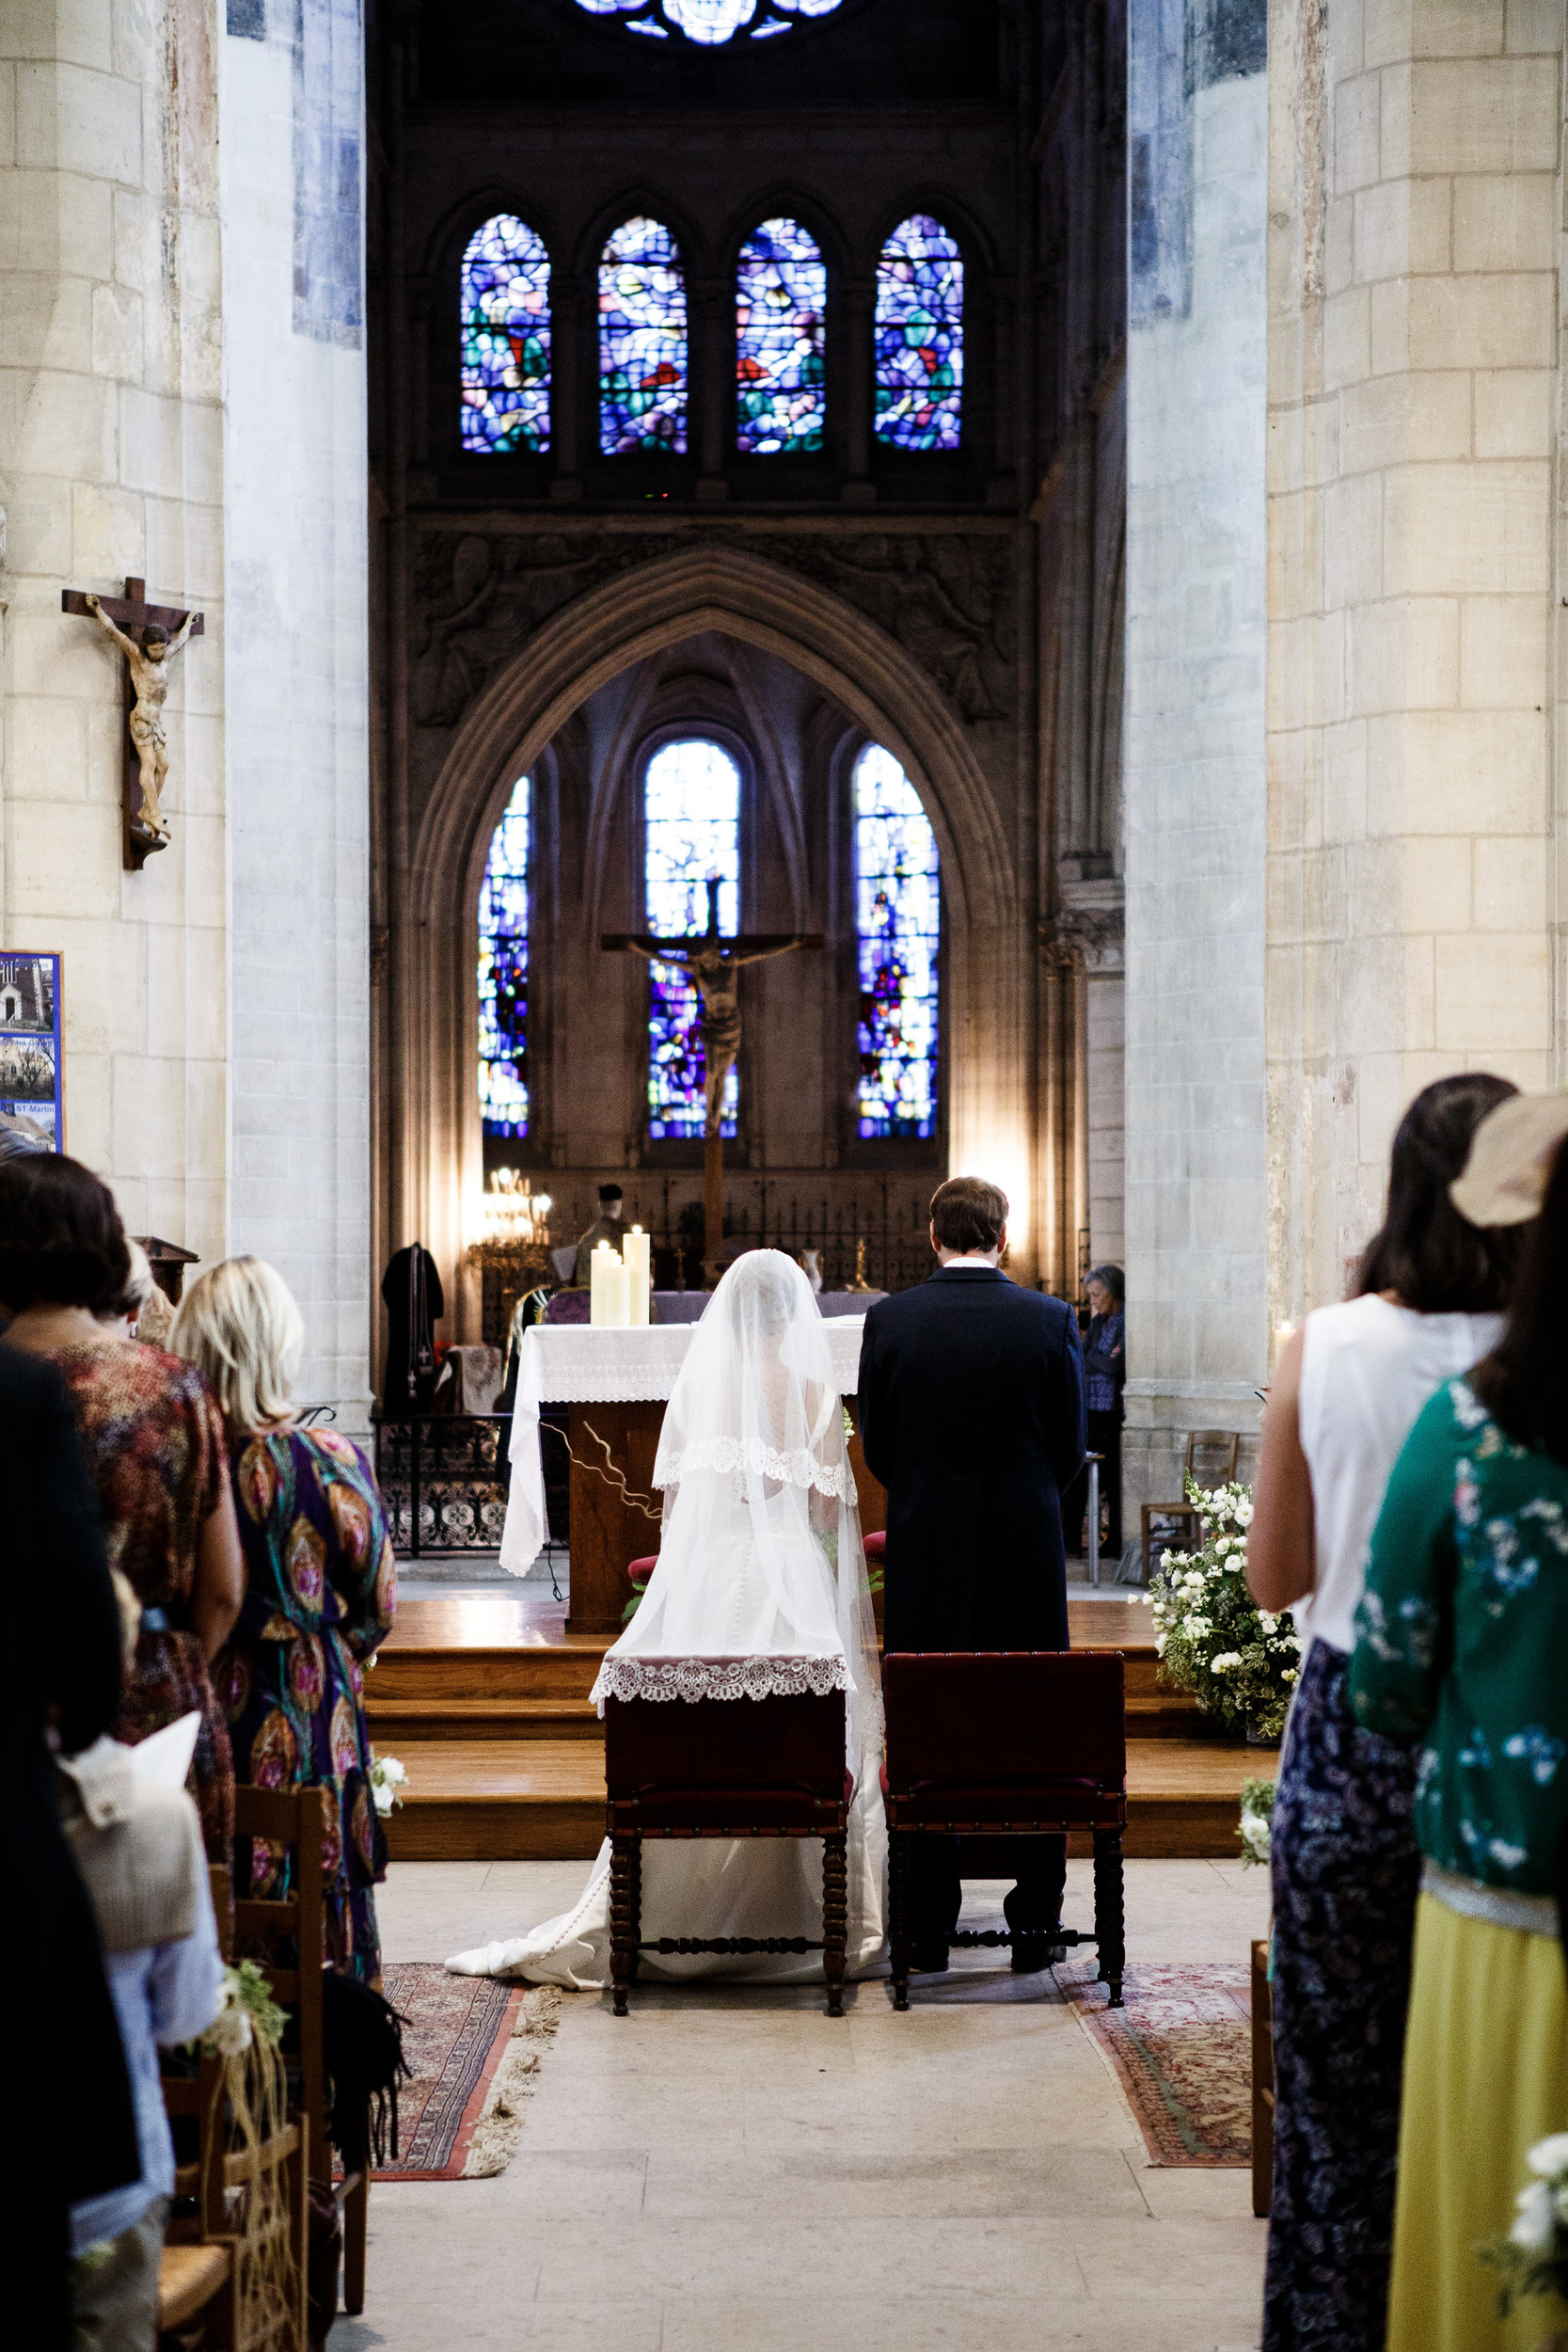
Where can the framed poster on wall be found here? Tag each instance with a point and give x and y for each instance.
(32, 1070)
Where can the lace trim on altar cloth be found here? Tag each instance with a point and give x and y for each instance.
(630, 1677)
(728, 1454)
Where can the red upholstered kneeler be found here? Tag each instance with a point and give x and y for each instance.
(1009, 1744)
(725, 1768)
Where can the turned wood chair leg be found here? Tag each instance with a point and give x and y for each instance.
(836, 1916)
(356, 2218)
(624, 1924)
(898, 1907)
(634, 1960)
(1109, 1916)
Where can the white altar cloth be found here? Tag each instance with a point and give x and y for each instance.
(588, 1363)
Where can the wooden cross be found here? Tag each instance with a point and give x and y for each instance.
(713, 963)
(129, 618)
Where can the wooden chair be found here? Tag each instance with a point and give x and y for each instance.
(990, 1743)
(1212, 1458)
(1262, 2081)
(202, 2270)
(294, 1818)
(725, 1768)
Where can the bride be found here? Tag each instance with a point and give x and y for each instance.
(760, 1586)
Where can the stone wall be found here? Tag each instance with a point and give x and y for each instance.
(1195, 740)
(111, 465)
(1413, 419)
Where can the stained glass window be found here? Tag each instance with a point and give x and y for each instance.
(898, 923)
(920, 345)
(642, 341)
(710, 22)
(506, 338)
(503, 972)
(780, 294)
(691, 816)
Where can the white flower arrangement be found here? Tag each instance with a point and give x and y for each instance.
(388, 1779)
(1256, 1829)
(1239, 1662)
(248, 2013)
(1533, 2258)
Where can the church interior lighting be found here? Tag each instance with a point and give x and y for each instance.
(692, 831)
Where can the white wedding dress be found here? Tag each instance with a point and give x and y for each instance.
(760, 1587)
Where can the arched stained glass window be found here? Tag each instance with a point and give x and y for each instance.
(920, 339)
(503, 972)
(642, 342)
(710, 22)
(691, 820)
(897, 924)
(506, 338)
(781, 296)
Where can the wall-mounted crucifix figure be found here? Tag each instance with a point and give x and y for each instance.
(150, 636)
(714, 964)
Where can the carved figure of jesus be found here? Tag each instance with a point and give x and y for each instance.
(715, 966)
(149, 675)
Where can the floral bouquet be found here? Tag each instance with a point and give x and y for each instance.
(387, 1782)
(1533, 2258)
(1239, 1662)
(1256, 1830)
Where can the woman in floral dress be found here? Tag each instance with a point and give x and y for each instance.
(1462, 1634)
(155, 1442)
(321, 1590)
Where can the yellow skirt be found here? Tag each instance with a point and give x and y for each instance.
(1485, 2077)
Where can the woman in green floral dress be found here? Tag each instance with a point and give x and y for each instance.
(320, 1588)
(1463, 1654)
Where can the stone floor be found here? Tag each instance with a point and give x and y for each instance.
(730, 2170)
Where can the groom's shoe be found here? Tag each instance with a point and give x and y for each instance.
(1034, 1951)
(929, 1958)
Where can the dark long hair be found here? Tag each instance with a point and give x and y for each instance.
(61, 1241)
(1424, 1250)
(1523, 1382)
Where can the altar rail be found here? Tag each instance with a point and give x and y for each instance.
(443, 1478)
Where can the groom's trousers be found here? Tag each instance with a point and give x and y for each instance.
(1038, 1864)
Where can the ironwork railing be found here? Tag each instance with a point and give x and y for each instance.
(443, 1478)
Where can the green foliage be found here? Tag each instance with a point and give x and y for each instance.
(1237, 1660)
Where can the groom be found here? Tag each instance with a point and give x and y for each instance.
(971, 1412)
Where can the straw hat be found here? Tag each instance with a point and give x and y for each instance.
(1504, 1178)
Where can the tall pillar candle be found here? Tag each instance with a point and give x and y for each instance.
(635, 1250)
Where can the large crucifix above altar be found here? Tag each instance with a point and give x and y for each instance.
(714, 963)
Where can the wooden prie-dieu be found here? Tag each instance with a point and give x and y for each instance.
(771, 1767)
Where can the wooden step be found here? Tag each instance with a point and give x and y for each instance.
(543, 1800)
(434, 1718)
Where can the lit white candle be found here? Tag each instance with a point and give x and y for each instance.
(616, 1288)
(634, 1252)
(598, 1282)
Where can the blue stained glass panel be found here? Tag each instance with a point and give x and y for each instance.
(691, 819)
(781, 296)
(709, 23)
(897, 924)
(642, 342)
(506, 338)
(503, 972)
(920, 347)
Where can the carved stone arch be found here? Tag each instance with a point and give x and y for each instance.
(785, 201)
(650, 203)
(448, 239)
(580, 648)
(978, 249)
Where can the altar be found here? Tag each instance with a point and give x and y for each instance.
(617, 1381)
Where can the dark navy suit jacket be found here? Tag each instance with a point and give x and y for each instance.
(971, 1412)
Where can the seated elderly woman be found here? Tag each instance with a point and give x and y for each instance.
(154, 1443)
(320, 1587)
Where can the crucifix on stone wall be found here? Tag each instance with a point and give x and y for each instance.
(714, 965)
(149, 636)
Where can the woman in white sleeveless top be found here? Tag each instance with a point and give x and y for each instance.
(1348, 1387)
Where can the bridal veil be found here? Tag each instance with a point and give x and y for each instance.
(760, 1588)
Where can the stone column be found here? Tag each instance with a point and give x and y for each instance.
(1195, 734)
(1414, 421)
(111, 465)
(297, 562)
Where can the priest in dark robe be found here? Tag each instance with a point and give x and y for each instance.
(411, 1290)
(607, 1225)
(971, 1412)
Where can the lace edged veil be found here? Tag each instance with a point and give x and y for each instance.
(761, 1583)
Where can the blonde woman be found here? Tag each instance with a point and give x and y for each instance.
(321, 1590)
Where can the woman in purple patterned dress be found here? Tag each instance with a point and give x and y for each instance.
(321, 1590)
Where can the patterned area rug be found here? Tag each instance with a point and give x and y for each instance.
(473, 2047)
(1181, 2050)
